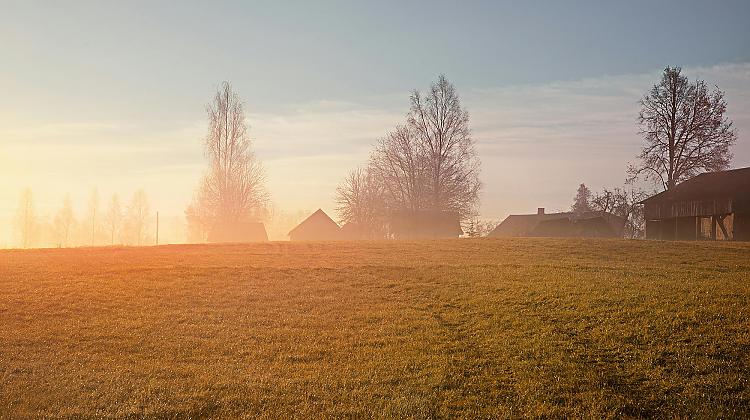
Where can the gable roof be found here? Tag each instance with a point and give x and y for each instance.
(317, 224)
(708, 185)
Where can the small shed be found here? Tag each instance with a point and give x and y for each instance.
(709, 206)
(317, 227)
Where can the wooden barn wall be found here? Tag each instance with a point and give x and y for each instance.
(669, 209)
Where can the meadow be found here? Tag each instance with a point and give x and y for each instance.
(467, 328)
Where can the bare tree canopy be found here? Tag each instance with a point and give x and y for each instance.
(626, 204)
(430, 162)
(64, 223)
(138, 220)
(233, 188)
(442, 127)
(26, 221)
(398, 162)
(113, 218)
(359, 201)
(685, 129)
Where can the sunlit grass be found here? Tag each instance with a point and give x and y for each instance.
(518, 327)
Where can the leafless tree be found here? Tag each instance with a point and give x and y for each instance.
(399, 165)
(93, 213)
(360, 202)
(442, 127)
(233, 188)
(623, 203)
(64, 223)
(138, 218)
(113, 218)
(685, 129)
(199, 220)
(582, 200)
(26, 223)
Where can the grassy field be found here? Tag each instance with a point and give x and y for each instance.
(488, 328)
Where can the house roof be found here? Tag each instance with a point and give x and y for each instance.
(316, 222)
(708, 185)
(523, 224)
(526, 224)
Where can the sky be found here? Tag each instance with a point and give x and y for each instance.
(112, 95)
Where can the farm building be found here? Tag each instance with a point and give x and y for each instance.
(425, 224)
(709, 206)
(317, 227)
(238, 232)
(589, 224)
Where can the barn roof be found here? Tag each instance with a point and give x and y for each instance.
(315, 223)
(708, 185)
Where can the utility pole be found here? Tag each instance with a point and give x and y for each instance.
(93, 225)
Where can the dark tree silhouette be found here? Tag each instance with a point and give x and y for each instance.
(623, 203)
(359, 201)
(685, 129)
(430, 162)
(582, 200)
(398, 163)
(442, 127)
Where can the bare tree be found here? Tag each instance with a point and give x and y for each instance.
(582, 200)
(233, 188)
(93, 213)
(138, 218)
(113, 218)
(398, 163)
(64, 223)
(359, 201)
(26, 223)
(199, 220)
(626, 204)
(685, 129)
(442, 127)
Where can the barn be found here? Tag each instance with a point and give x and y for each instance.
(709, 206)
(317, 227)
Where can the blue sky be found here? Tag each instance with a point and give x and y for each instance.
(113, 94)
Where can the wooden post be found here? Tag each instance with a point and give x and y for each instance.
(713, 228)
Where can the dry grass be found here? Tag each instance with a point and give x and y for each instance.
(488, 328)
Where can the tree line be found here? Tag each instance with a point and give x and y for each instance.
(111, 223)
(428, 163)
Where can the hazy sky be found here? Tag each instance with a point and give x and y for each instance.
(112, 94)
